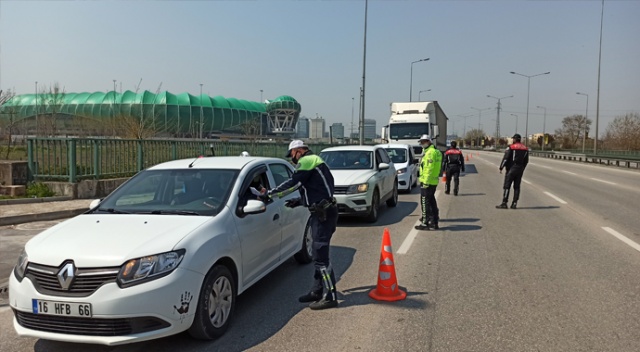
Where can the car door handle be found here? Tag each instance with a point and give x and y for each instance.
(276, 217)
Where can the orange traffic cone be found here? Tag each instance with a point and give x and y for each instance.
(387, 289)
(444, 177)
(467, 158)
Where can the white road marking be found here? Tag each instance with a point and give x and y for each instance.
(527, 182)
(546, 167)
(622, 238)
(556, 198)
(570, 173)
(603, 181)
(408, 241)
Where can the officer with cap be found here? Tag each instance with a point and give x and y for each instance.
(515, 159)
(314, 181)
(453, 163)
(429, 178)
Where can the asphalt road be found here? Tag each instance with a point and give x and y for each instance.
(558, 274)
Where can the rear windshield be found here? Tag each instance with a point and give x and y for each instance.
(397, 155)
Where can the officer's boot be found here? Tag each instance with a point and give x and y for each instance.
(315, 293)
(505, 200)
(455, 187)
(330, 298)
(516, 196)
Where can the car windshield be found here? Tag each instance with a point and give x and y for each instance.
(408, 130)
(348, 159)
(397, 155)
(175, 192)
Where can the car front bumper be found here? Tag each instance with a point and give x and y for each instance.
(404, 181)
(353, 204)
(138, 313)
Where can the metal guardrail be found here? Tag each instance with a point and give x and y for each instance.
(73, 159)
(605, 159)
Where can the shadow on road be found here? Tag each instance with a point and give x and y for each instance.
(359, 296)
(460, 220)
(456, 228)
(261, 312)
(541, 207)
(471, 194)
(387, 216)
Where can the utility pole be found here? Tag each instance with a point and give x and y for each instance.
(595, 137)
(498, 116)
(364, 70)
(480, 120)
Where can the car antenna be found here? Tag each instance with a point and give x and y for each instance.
(191, 165)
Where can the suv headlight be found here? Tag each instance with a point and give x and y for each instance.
(21, 266)
(402, 171)
(136, 271)
(361, 188)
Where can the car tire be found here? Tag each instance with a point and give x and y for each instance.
(373, 212)
(305, 254)
(216, 304)
(393, 201)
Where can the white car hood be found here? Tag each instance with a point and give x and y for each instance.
(351, 177)
(101, 240)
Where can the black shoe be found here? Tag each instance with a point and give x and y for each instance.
(422, 227)
(514, 205)
(455, 193)
(434, 227)
(446, 192)
(310, 297)
(502, 206)
(323, 304)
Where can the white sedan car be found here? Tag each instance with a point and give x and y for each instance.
(168, 251)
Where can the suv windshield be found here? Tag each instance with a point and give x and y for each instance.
(177, 192)
(397, 155)
(348, 159)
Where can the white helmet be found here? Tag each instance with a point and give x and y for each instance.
(245, 153)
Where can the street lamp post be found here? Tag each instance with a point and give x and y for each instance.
(479, 120)
(544, 126)
(364, 70)
(200, 134)
(595, 136)
(36, 109)
(526, 128)
(422, 91)
(353, 99)
(586, 113)
(516, 122)
(114, 106)
(498, 116)
(411, 79)
(261, 95)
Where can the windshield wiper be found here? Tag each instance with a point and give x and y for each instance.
(175, 212)
(113, 211)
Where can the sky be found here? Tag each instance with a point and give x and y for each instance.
(313, 51)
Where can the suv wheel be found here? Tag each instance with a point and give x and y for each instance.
(375, 203)
(393, 201)
(305, 255)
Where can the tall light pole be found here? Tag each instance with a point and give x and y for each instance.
(200, 111)
(544, 126)
(364, 70)
(353, 99)
(261, 95)
(526, 128)
(516, 122)
(422, 91)
(36, 109)
(498, 116)
(411, 79)
(464, 131)
(479, 120)
(595, 137)
(586, 113)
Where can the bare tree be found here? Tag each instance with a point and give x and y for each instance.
(474, 136)
(624, 132)
(52, 100)
(572, 130)
(8, 120)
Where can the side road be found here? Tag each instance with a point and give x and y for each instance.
(39, 209)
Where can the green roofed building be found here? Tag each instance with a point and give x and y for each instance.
(174, 114)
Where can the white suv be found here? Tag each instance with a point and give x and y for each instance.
(364, 177)
(406, 164)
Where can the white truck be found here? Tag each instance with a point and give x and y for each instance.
(411, 120)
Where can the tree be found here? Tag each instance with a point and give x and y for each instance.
(572, 130)
(10, 113)
(624, 132)
(51, 102)
(550, 140)
(474, 136)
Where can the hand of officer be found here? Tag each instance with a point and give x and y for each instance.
(463, 169)
(292, 203)
(500, 169)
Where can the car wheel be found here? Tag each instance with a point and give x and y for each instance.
(216, 304)
(375, 202)
(393, 201)
(305, 255)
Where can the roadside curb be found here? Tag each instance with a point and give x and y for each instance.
(34, 200)
(54, 215)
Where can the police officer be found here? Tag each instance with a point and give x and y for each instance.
(452, 163)
(515, 159)
(315, 182)
(429, 177)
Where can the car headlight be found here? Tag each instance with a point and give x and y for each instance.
(361, 188)
(136, 271)
(21, 266)
(402, 171)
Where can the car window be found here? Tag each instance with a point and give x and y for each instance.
(348, 159)
(397, 155)
(280, 173)
(255, 184)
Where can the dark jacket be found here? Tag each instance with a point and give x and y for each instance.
(312, 178)
(453, 157)
(516, 156)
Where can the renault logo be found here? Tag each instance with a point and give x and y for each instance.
(65, 276)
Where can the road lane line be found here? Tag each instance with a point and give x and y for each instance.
(570, 173)
(527, 182)
(556, 198)
(603, 181)
(622, 238)
(546, 167)
(408, 241)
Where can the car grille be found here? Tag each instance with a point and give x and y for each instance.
(340, 189)
(89, 326)
(85, 281)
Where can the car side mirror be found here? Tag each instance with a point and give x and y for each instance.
(254, 207)
(94, 203)
(383, 166)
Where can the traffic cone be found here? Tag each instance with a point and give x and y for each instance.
(444, 177)
(387, 289)
(467, 159)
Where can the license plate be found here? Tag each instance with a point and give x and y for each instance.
(68, 309)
